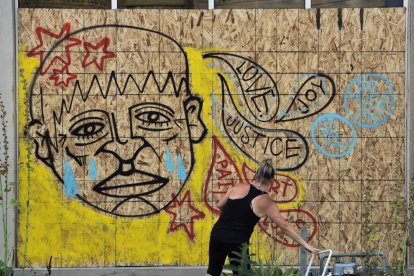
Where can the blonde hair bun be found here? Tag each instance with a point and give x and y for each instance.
(265, 172)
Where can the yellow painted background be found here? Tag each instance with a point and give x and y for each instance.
(77, 235)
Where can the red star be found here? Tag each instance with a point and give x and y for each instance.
(40, 49)
(188, 214)
(64, 74)
(88, 60)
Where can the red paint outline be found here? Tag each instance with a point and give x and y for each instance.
(216, 145)
(292, 245)
(245, 167)
(174, 226)
(57, 73)
(63, 33)
(104, 43)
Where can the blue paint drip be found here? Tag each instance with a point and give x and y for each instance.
(169, 160)
(70, 187)
(182, 174)
(93, 172)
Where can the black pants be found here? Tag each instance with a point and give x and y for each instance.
(218, 251)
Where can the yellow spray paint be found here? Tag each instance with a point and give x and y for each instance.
(77, 235)
(205, 82)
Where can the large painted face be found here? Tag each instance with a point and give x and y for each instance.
(120, 140)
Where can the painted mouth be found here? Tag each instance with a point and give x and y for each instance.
(135, 183)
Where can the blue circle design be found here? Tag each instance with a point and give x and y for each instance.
(373, 98)
(331, 135)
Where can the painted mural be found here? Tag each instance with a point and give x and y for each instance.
(134, 123)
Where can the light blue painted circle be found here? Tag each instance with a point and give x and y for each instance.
(376, 100)
(333, 118)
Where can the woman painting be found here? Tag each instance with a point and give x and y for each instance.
(242, 207)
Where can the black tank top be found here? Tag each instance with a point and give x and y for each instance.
(237, 220)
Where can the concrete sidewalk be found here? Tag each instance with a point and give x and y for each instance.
(118, 271)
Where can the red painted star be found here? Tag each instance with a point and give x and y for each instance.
(92, 56)
(183, 214)
(62, 76)
(41, 49)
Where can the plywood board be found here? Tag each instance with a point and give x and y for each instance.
(140, 120)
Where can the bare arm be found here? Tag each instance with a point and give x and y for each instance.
(274, 215)
(224, 199)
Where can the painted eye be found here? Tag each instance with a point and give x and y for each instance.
(92, 127)
(152, 116)
(153, 120)
(88, 130)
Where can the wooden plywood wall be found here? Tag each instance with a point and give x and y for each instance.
(133, 123)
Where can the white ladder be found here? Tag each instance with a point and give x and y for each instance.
(329, 251)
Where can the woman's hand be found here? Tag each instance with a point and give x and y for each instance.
(274, 214)
(312, 249)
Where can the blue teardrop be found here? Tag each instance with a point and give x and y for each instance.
(169, 161)
(93, 172)
(182, 174)
(70, 187)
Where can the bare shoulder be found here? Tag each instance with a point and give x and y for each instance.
(264, 201)
(261, 204)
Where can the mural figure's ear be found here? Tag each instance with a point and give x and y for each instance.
(42, 141)
(198, 130)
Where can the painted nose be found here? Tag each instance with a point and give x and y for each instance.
(123, 146)
(126, 150)
(126, 167)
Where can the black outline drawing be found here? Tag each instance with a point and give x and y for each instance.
(278, 116)
(98, 130)
(92, 129)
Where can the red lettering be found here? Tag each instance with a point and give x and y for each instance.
(223, 173)
(225, 184)
(277, 235)
(286, 184)
(223, 163)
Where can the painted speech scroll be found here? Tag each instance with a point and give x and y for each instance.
(134, 123)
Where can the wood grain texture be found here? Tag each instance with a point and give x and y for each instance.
(361, 51)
